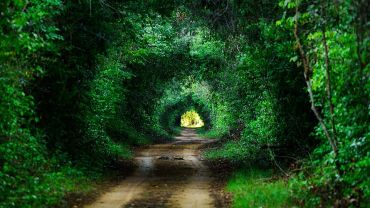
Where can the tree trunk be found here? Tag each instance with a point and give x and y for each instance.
(307, 76)
(328, 85)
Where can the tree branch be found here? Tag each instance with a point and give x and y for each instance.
(307, 76)
(328, 85)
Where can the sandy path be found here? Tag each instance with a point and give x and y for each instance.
(168, 175)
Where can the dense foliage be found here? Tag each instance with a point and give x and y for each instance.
(334, 52)
(284, 85)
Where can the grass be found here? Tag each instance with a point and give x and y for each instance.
(255, 188)
(208, 134)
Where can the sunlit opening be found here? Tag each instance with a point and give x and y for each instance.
(191, 119)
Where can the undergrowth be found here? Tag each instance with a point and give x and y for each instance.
(258, 188)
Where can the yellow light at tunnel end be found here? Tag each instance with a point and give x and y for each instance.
(191, 119)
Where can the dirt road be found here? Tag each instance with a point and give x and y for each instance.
(168, 175)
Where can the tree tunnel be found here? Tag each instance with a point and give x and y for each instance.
(170, 118)
(83, 83)
(154, 66)
(168, 65)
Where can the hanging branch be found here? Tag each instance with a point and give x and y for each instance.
(277, 165)
(307, 76)
(328, 85)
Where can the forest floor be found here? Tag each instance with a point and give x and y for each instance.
(168, 175)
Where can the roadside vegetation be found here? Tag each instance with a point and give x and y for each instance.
(259, 188)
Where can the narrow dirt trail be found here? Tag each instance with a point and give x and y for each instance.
(168, 175)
